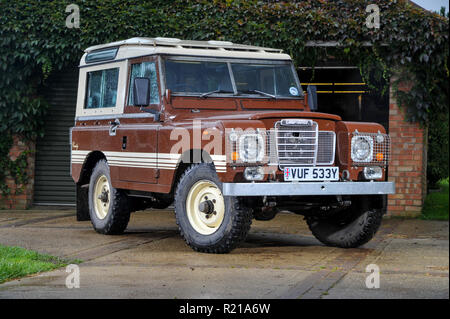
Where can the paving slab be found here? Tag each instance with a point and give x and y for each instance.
(392, 286)
(280, 259)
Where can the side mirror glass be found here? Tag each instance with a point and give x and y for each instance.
(141, 92)
(312, 97)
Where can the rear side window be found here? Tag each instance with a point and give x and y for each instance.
(145, 70)
(102, 88)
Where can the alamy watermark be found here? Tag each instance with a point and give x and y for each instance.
(373, 19)
(373, 280)
(73, 19)
(73, 279)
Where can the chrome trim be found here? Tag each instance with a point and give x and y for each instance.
(284, 161)
(115, 116)
(113, 127)
(308, 188)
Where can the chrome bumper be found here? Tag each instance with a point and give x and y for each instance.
(308, 188)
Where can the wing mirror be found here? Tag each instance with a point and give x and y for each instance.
(141, 96)
(312, 98)
(141, 92)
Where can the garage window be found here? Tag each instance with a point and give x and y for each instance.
(102, 88)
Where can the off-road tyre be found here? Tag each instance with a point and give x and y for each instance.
(118, 216)
(236, 222)
(350, 228)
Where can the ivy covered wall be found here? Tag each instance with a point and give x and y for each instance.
(34, 42)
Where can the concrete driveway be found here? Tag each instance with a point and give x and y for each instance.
(280, 259)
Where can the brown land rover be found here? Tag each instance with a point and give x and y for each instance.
(225, 133)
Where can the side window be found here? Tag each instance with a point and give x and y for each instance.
(102, 88)
(146, 70)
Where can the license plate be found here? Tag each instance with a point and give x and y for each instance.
(311, 173)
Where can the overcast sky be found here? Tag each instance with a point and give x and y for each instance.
(432, 5)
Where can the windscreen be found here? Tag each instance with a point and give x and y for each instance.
(276, 79)
(197, 76)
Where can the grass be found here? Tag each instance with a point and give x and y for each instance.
(16, 262)
(436, 203)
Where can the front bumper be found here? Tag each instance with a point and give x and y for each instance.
(308, 188)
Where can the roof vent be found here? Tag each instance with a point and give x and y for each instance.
(214, 42)
(174, 40)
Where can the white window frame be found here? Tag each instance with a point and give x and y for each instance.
(121, 89)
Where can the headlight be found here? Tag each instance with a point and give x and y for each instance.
(254, 173)
(362, 148)
(251, 148)
(372, 172)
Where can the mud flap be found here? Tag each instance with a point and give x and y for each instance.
(82, 203)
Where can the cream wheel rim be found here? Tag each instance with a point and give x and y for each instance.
(205, 207)
(102, 196)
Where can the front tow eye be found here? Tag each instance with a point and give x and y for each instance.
(206, 207)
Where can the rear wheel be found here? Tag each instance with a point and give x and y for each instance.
(108, 206)
(350, 228)
(208, 221)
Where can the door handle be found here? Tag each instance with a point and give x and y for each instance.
(113, 128)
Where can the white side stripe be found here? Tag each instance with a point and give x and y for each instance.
(145, 160)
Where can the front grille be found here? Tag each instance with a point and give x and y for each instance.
(296, 142)
(326, 148)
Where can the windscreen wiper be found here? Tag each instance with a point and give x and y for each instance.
(215, 91)
(259, 92)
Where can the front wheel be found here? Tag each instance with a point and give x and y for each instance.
(108, 207)
(208, 221)
(350, 228)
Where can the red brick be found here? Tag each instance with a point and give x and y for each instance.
(406, 161)
(23, 200)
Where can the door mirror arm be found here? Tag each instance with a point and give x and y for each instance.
(154, 112)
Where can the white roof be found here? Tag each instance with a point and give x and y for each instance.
(142, 46)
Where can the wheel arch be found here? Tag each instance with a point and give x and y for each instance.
(188, 158)
(89, 163)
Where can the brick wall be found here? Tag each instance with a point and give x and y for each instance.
(408, 163)
(20, 200)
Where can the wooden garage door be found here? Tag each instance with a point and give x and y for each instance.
(53, 184)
